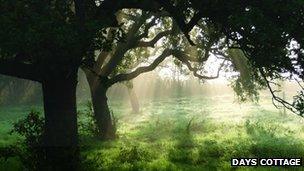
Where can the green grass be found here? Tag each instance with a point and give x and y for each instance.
(186, 133)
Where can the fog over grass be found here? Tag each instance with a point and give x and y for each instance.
(184, 129)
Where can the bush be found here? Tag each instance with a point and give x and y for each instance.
(88, 125)
(29, 151)
(31, 128)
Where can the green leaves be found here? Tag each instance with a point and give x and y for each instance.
(31, 128)
(247, 84)
(298, 103)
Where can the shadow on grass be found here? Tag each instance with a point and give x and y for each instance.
(167, 140)
(273, 140)
(187, 152)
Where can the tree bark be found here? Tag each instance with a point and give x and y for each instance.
(133, 100)
(102, 114)
(60, 141)
(104, 120)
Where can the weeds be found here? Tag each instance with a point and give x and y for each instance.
(87, 123)
(30, 151)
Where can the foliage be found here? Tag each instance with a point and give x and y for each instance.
(29, 151)
(31, 128)
(87, 122)
(246, 85)
(298, 103)
(88, 125)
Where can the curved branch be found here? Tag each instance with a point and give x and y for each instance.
(108, 8)
(140, 70)
(146, 29)
(185, 59)
(183, 55)
(286, 104)
(122, 48)
(179, 18)
(152, 42)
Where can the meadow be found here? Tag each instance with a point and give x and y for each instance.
(179, 133)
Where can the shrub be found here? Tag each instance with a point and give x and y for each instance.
(29, 151)
(88, 125)
(31, 128)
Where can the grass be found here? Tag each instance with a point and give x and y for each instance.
(185, 133)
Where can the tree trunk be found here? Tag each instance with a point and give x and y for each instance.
(133, 100)
(60, 136)
(104, 120)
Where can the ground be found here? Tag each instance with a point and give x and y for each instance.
(181, 133)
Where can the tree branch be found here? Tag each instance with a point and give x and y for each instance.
(147, 27)
(152, 42)
(185, 59)
(286, 104)
(108, 8)
(140, 70)
(100, 61)
(180, 19)
(184, 56)
(80, 12)
(123, 47)
(18, 69)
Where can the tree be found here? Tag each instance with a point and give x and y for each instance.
(46, 41)
(133, 97)
(108, 67)
(262, 31)
(242, 30)
(129, 59)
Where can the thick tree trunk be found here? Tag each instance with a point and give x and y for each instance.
(133, 100)
(60, 138)
(102, 113)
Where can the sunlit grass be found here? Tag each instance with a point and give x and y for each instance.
(197, 133)
(185, 133)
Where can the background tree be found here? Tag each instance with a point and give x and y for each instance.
(133, 97)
